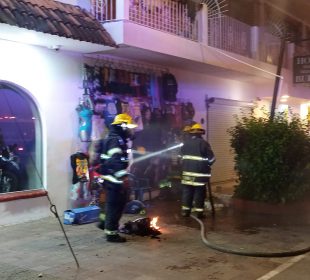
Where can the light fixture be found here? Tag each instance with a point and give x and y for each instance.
(55, 47)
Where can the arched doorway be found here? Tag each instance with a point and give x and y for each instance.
(20, 140)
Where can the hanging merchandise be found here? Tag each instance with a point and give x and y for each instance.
(190, 109)
(99, 129)
(178, 115)
(123, 78)
(79, 164)
(125, 107)
(171, 115)
(120, 78)
(154, 91)
(170, 87)
(79, 193)
(144, 85)
(134, 80)
(188, 113)
(112, 82)
(93, 79)
(111, 109)
(85, 113)
(105, 77)
(135, 113)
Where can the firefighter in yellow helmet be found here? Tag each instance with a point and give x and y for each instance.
(197, 158)
(113, 167)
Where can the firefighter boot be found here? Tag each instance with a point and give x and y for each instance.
(185, 213)
(116, 238)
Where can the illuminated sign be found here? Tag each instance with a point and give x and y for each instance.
(302, 69)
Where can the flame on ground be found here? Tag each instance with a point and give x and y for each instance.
(153, 223)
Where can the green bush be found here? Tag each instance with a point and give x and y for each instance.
(272, 158)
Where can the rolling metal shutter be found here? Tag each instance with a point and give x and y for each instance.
(220, 117)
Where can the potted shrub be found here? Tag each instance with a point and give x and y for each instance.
(272, 158)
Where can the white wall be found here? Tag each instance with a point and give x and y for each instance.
(195, 87)
(53, 79)
(23, 210)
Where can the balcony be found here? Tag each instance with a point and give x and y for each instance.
(164, 15)
(158, 20)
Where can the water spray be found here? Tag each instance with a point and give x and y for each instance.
(149, 155)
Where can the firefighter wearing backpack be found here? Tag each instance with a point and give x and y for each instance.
(197, 158)
(113, 167)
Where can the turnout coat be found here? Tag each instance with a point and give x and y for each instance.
(197, 158)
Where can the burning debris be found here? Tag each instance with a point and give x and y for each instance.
(142, 227)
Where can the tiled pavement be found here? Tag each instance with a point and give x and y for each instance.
(38, 250)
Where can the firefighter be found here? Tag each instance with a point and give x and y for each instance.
(113, 167)
(197, 158)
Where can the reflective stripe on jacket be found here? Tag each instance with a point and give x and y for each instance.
(197, 158)
(114, 158)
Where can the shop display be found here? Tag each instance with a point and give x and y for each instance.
(150, 98)
(170, 87)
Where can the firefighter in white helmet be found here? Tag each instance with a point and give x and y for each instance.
(197, 158)
(114, 163)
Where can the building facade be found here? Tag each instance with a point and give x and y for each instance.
(221, 65)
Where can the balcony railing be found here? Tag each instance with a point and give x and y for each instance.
(104, 10)
(164, 15)
(170, 16)
(230, 35)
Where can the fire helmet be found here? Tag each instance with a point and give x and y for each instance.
(197, 129)
(124, 119)
(135, 207)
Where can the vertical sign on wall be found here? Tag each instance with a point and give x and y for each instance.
(302, 69)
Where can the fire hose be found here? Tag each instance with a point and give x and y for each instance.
(247, 253)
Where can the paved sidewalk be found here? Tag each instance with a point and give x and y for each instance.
(38, 250)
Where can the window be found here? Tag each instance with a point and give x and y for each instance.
(20, 141)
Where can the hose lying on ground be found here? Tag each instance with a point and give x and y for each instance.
(249, 253)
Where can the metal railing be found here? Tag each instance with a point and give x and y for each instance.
(165, 15)
(103, 10)
(230, 35)
(224, 32)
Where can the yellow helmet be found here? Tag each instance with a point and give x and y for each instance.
(197, 128)
(187, 128)
(124, 119)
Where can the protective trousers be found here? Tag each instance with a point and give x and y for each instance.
(193, 196)
(116, 198)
